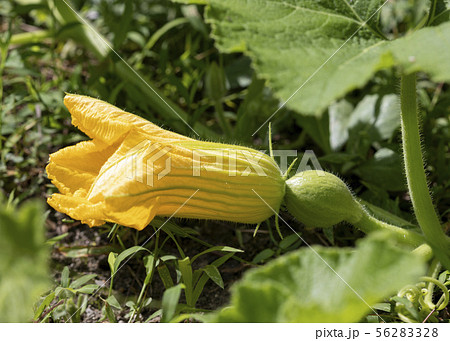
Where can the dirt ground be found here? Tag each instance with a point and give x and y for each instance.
(128, 280)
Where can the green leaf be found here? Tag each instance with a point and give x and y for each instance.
(65, 277)
(169, 302)
(149, 262)
(167, 258)
(131, 304)
(112, 301)
(386, 307)
(56, 239)
(322, 49)
(263, 255)
(442, 12)
(24, 257)
(302, 287)
(215, 83)
(109, 313)
(128, 252)
(170, 227)
(165, 276)
(44, 304)
(408, 305)
(258, 104)
(317, 128)
(216, 248)
(79, 251)
(289, 240)
(121, 28)
(154, 315)
(82, 280)
(147, 302)
(111, 260)
(204, 278)
(214, 274)
(186, 276)
(384, 170)
(88, 289)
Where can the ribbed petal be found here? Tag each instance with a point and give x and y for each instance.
(75, 168)
(103, 121)
(78, 208)
(116, 177)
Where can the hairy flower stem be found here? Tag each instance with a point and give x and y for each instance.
(311, 193)
(369, 224)
(415, 173)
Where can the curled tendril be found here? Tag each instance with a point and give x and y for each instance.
(411, 292)
(415, 295)
(420, 295)
(445, 297)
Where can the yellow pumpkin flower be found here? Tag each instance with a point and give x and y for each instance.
(132, 170)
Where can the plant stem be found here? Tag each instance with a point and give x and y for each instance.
(31, 37)
(369, 224)
(415, 173)
(435, 268)
(111, 285)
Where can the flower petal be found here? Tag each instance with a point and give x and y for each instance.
(133, 170)
(103, 121)
(78, 208)
(76, 167)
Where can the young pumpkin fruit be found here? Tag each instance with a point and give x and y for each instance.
(321, 199)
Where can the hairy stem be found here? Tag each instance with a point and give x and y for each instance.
(415, 173)
(369, 224)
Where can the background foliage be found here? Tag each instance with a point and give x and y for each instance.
(23, 260)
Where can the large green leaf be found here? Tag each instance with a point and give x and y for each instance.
(23, 261)
(321, 48)
(302, 287)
